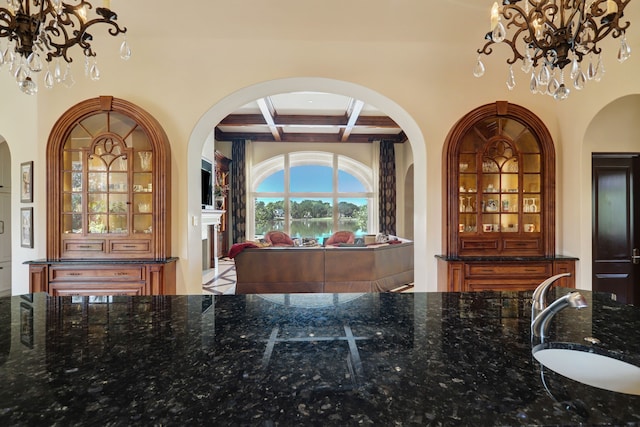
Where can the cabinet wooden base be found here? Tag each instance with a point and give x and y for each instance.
(483, 274)
(61, 278)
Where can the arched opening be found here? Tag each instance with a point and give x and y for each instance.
(611, 132)
(203, 133)
(5, 218)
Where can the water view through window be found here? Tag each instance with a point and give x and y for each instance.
(313, 206)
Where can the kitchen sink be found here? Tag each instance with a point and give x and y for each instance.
(591, 368)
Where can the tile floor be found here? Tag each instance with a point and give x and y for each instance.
(224, 282)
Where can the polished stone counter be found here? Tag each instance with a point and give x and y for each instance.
(453, 359)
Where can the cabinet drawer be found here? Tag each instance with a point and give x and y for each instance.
(110, 273)
(519, 244)
(93, 289)
(470, 244)
(511, 270)
(130, 246)
(501, 285)
(84, 246)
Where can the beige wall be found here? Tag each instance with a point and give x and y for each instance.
(190, 79)
(19, 127)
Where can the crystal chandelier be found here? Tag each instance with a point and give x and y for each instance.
(39, 31)
(548, 35)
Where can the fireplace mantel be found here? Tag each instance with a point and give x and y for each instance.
(210, 217)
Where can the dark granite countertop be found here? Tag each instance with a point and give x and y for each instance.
(423, 359)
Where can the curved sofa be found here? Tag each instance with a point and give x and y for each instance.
(377, 268)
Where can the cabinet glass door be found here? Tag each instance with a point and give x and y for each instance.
(107, 177)
(500, 169)
(72, 192)
(499, 179)
(142, 186)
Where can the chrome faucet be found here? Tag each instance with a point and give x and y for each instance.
(539, 297)
(540, 325)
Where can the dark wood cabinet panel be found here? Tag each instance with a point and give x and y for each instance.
(468, 274)
(108, 201)
(499, 201)
(499, 165)
(103, 277)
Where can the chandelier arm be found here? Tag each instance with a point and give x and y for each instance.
(68, 18)
(609, 25)
(71, 17)
(57, 50)
(517, 18)
(9, 22)
(577, 10)
(514, 48)
(83, 37)
(614, 29)
(486, 49)
(548, 12)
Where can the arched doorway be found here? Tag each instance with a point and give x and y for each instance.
(5, 218)
(203, 132)
(611, 155)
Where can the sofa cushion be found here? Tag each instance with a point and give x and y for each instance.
(341, 237)
(278, 238)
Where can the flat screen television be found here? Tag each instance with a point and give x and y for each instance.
(207, 184)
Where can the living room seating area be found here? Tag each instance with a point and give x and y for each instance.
(331, 269)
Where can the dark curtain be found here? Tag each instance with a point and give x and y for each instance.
(387, 195)
(238, 191)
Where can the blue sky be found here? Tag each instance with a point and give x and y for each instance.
(313, 178)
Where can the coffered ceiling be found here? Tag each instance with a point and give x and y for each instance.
(309, 117)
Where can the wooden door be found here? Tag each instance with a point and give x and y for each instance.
(616, 225)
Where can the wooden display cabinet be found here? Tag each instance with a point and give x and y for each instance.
(499, 207)
(108, 200)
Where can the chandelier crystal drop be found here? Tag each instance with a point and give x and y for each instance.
(511, 79)
(547, 35)
(40, 33)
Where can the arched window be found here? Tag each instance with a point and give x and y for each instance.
(310, 195)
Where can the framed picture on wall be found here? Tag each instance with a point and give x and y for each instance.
(26, 182)
(26, 227)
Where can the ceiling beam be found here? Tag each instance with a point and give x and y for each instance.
(268, 112)
(353, 118)
(309, 137)
(310, 119)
